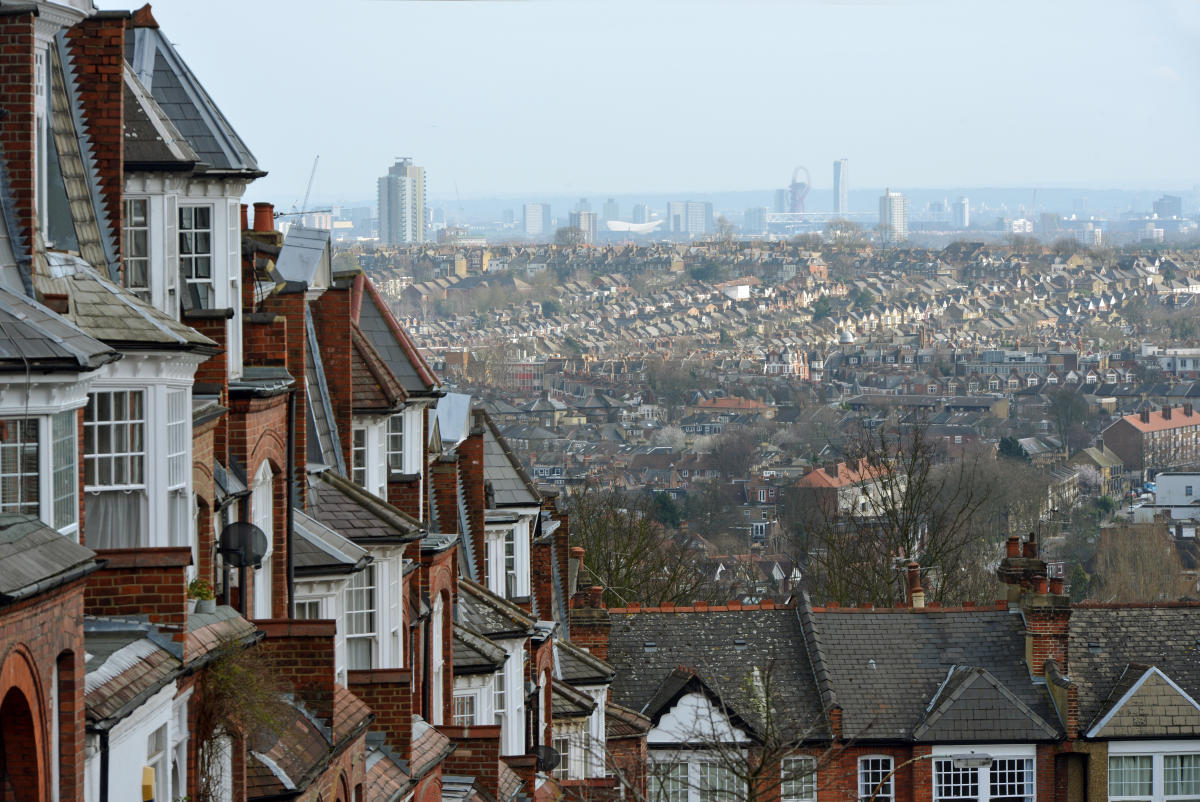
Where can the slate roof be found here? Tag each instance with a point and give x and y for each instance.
(1104, 641)
(488, 614)
(288, 762)
(318, 550)
(972, 705)
(32, 556)
(151, 141)
(392, 342)
(621, 722)
(111, 313)
(344, 507)
(581, 668)
(884, 667)
(567, 702)
(722, 648)
(186, 103)
(324, 445)
(475, 654)
(128, 660)
(373, 387)
(511, 486)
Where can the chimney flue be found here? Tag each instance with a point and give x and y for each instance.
(264, 217)
(1166, 412)
(245, 217)
(596, 596)
(1144, 416)
(916, 593)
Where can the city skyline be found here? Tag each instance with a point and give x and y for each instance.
(953, 84)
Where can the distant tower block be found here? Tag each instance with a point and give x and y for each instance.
(799, 189)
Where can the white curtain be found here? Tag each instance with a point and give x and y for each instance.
(115, 519)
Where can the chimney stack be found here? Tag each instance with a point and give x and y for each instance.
(1144, 416)
(916, 593)
(1187, 410)
(1166, 412)
(245, 217)
(264, 217)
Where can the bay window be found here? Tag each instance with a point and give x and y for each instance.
(178, 467)
(135, 247)
(19, 474)
(38, 464)
(395, 443)
(114, 461)
(64, 477)
(360, 620)
(358, 457)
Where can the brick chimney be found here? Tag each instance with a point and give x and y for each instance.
(149, 582)
(1166, 412)
(1187, 410)
(590, 625)
(1144, 416)
(476, 754)
(264, 217)
(389, 694)
(301, 652)
(1045, 609)
(916, 593)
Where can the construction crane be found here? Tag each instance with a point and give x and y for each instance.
(303, 209)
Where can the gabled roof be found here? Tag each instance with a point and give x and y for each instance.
(151, 141)
(972, 705)
(568, 702)
(393, 344)
(1146, 702)
(511, 486)
(185, 102)
(475, 654)
(581, 668)
(374, 388)
(488, 614)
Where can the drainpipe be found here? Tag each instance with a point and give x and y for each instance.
(244, 514)
(291, 502)
(103, 765)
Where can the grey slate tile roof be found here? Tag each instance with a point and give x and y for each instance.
(489, 615)
(884, 667)
(31, 332)
(324, 446)
(352, 512)
(318, 549)
(32, 553)
(972, 706)
(150, 138)
(581, 668)
(111, 313)
(475, 654)
(723, 648)
(389, 341)
(511, 486)
(186, 103)
(1104, 641)
(567, 702)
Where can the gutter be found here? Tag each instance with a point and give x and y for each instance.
(41, 586)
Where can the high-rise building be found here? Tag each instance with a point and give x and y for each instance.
(641, 213)
(689, 217)
(1169, 206)
(586, 222)
(841, 186)
(755, 221)
(893, 216)
(961, 212)
(584, 205)
(535, 220)
(612, 211)
(781, 200)
(402, 204)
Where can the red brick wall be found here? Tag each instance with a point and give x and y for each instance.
(1047, 629)
(444, 487)
(331, 317)
(17, 130)
(258, 433)
(542, 578)
(405, 494)
(202, 485)
(476, 754)
(152, 582)
(470, 462)
(389, 694)
(97, 46)
(301, 653)
(345, 771)
(291, 307)
(36, 635)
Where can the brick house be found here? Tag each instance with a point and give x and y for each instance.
(1156, 440)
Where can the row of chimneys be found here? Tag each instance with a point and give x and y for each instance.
(1144, 415)
(1033, 578)
(264, 217)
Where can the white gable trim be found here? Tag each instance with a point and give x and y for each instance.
(1129, 694)
(694, 718)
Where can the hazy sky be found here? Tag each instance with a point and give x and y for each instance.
(596, 96)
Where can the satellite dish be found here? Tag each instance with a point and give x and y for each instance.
(242, 545)
(548, 758)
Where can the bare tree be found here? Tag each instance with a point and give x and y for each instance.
(633, 556)
(900, 505)
(1138, 563)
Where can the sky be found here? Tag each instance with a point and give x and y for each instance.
(517, 98)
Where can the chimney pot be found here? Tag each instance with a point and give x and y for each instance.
(596, 596)
(1056, 585)
(1013, 547)
(245, 217)
(1166, 412)
(1039, 584)
(1144, 415)
(1031, 546)
(264, 217)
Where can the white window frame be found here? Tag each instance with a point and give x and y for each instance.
(437, 660)
(262, 510)
(395, 443)
(362, 617)
(136, 231)
(798, 779)
(872, 771)
(562, 745)
(134, 456)
(358, 456)
(1157, 752)
(190, 254)
(18, 501)
(64, 465)
(471, 705)
(308, 609)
